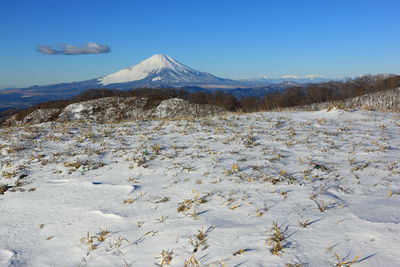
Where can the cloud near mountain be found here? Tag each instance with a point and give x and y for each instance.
(67, 49)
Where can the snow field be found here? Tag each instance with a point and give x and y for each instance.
(262, 189)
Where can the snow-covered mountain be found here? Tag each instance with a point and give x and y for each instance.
(159, 70)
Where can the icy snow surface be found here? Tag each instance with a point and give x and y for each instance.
(205, 190)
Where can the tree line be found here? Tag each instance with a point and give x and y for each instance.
(328, 91)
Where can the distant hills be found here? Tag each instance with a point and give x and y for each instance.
(290, 79)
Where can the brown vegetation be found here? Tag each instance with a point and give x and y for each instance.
(329, 91)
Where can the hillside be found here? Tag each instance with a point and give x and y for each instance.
(388, 100)
(261, 189)
(114, 109)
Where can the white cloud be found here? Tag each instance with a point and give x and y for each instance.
(67, 49)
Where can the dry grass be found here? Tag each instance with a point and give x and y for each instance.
(276, 239)
(165, 257)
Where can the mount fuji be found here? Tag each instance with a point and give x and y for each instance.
(160, 70)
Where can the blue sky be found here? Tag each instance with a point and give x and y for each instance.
(228, 38)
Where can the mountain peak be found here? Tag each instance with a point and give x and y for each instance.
(158, 62)
(160, 57)
(150, 66)
(159, 68)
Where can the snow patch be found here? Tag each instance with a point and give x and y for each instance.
(5, 257)
(378, 210)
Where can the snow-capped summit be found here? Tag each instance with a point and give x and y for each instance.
(158, 69)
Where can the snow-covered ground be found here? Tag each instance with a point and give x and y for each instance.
(262, 189)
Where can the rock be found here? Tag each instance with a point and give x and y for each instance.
(35, 117)
(107, 109)
(179, 108)
(111, 109)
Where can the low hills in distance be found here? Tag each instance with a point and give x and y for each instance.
(379, 92)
